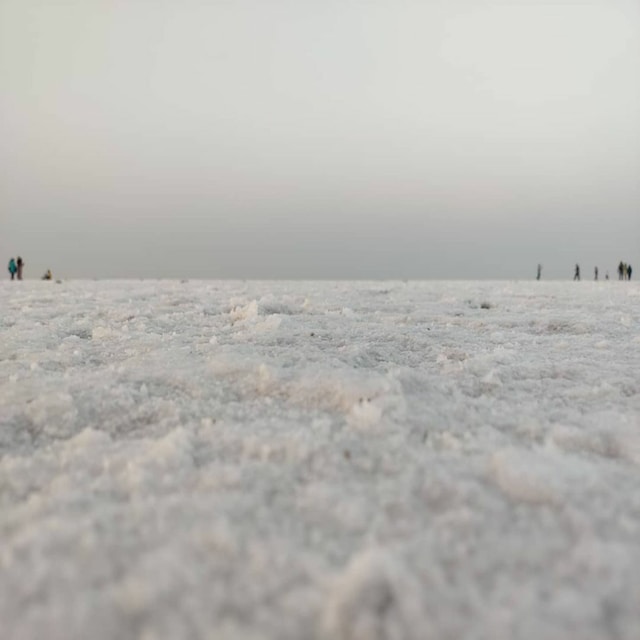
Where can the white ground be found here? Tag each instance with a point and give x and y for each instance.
(319, 460)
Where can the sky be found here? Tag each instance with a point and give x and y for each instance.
(319, 139)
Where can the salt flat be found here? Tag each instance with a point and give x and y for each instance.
(327, 460)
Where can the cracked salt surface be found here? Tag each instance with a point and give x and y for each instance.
(359, 460)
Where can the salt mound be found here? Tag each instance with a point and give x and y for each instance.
(374, 599)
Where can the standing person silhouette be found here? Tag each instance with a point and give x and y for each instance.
(629, 272)
(539, 272)
(12, 268)
(576, 275)
(20, 265)
(595, 271)
(621, 270)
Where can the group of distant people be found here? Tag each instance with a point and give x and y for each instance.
(624, 272)
(15, 268)
(17, 265)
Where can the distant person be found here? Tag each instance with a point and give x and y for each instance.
(629, 272)
(20, 265)
(606, 276)
(576, 275)
(595, 271)
(47, 275)
(621, 270)
(539, 274)
(13, 268)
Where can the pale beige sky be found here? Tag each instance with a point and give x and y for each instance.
(319, 139)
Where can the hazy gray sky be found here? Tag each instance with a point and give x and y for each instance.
(319, 138)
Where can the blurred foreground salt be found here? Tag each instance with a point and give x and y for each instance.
(346, 461)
